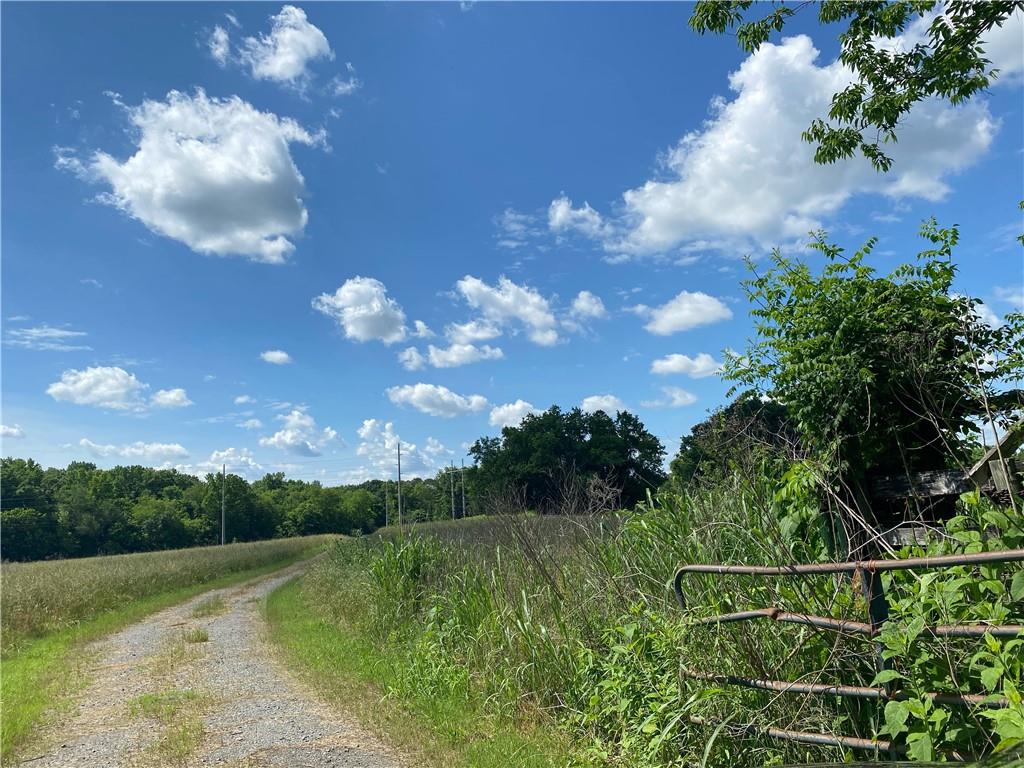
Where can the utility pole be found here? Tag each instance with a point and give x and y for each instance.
(399, 483)
(451, 477)
(462, 484)
(223, 481)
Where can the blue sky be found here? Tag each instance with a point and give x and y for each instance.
(282, 237)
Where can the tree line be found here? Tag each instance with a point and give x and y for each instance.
(83, 510)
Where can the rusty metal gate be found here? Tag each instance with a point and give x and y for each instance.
(869, 574)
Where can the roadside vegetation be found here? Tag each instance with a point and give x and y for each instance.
(51, 608)
(566, 621)
(533, 624)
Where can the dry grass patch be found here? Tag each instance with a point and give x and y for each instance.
(195, 635)
(213, 606)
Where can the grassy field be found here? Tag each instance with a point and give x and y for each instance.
(469, 639)
(50, 608)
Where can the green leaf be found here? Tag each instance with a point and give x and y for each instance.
(885, 676)
(919, 747)
(896, 714)
(990, 677)
(1017, 585)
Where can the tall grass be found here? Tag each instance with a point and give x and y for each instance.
(571, 622)
(50, 595)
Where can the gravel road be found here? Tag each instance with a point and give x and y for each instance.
(252, 712)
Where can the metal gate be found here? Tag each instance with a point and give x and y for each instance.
(868, 572)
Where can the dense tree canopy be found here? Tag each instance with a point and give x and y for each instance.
(748, 429)
(881, 374)
(547, 450)
(947, 62)
(82, 510)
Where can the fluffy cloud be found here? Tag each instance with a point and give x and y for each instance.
(588, 306)
(687, 310)
(473, 331)
(379, 446)
(219, 44)
(610, 404)
(276, 357)
(250, 424)
(508, 303)
(562, 217)
(699, 367)
(436, 400)
(214, 174)
(422, 330)
(510, 414)
(299, 434)
(746, 179)
(170, 398)
(363, 309)
(14, 432)
(45, 338)
(114, 388)
(411, 359)
(283, 55)
(673, 397)
(238, 460)
(244, 399)
(100, 386)
(136, 450)
(461, 354)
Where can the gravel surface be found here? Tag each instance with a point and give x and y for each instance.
(253, 713)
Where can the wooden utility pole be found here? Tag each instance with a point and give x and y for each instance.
(451, 478)
(223, 483)
(462, 484)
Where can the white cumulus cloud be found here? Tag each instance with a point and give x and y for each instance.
(363, 309)
(136, 450)
(436, 400)
(672, 397)
(510, 414)
(610, 404)
(99, 386)
(275, 357)
(250, 424)
(699, 367)
(170, 398)
(509, 303)
(588, 306)
(685, 311)
(219, 44)
(14, 432)
(746, 179)
(379, 446)
(284, 54)
(299, 434)
(461, 354)
(214, 174)
(562, 217)
(473, 331)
